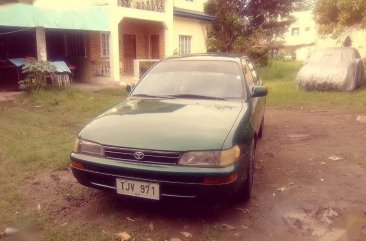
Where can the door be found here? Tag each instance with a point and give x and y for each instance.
(129, 52)
(257, 104)
(154, 47)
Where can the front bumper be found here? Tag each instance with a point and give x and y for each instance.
(175, 181)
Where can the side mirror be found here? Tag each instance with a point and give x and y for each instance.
(129, 88)
(259, 91)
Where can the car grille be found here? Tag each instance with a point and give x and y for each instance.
(159, 157)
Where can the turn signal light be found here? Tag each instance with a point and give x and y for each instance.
(220, 180)
(77, 165)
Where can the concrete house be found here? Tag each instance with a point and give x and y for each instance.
(300, 38)
(105, 40)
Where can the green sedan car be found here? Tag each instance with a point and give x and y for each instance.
(188, 130)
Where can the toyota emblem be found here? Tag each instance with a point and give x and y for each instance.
(139, 155)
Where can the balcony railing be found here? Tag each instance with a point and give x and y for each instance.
(148, 5)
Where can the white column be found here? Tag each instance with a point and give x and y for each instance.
(41, 44)
(168, 32)
(114, 53)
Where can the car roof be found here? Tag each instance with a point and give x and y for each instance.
(209, 56)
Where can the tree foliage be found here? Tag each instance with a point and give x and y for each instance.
(333, 16)
(242, 23)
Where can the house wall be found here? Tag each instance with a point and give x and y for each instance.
(94, 46)
(303, 53)
(142, 30)
(307, 30)
(190, 27)
(358, 38)
(195, 5)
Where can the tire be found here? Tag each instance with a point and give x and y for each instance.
(246, 190)
(260, 133)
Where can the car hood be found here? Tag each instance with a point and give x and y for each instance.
(165, 124)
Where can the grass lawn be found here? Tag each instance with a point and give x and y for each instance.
(37, 134)
(280, 78)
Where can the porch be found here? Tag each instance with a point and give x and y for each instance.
(142, 43)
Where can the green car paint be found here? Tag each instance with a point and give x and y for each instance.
(169, 125)
(177, 125)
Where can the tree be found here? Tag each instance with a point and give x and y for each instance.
(333, 16)
(242, 20)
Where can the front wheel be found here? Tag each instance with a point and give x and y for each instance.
(260, 133)
(246, 190)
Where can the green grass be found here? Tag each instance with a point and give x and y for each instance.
(37, 135)
(280, 78)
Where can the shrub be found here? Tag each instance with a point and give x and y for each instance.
(145, 66)
(36, 73)
(260, 56)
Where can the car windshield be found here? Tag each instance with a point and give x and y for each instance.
(192, 79)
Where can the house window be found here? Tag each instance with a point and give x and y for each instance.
(185, 44)
(104, 44)
(295, 31)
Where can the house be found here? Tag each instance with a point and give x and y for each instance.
(300, 38)
(303, 38)
(106, 40)
(357, 39)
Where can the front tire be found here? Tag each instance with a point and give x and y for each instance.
(246, 190)
(260, 133)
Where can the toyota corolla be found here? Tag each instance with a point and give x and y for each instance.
(187, 130)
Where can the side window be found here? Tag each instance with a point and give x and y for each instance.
(254, 73)
(248, 75)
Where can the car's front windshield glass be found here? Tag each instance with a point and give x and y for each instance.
(192, 79)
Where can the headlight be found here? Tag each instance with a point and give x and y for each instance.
(211, 158)
(88, 148)
(207, 159)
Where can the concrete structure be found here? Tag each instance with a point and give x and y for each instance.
(357, 37)
(127, 31)
(300, 39)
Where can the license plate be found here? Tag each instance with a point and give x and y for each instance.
(138, 189)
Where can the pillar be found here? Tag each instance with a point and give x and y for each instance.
(114, 53)
(168, 28)
(41, 44)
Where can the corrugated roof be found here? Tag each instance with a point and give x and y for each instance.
(185, 13)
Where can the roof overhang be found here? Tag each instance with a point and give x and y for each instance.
(26, 15)
(185, 13)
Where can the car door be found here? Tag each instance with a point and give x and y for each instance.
(257, 103)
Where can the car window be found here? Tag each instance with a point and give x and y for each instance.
(254, 72)
(217, 79)
(248, 75)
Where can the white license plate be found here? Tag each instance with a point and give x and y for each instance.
(138, 189)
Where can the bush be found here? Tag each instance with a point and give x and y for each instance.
(145, 66)
(260, 56)
(36, 73)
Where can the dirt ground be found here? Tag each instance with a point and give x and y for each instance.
(310, 184)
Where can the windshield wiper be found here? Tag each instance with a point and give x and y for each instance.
(153, 96)
(197, 97)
